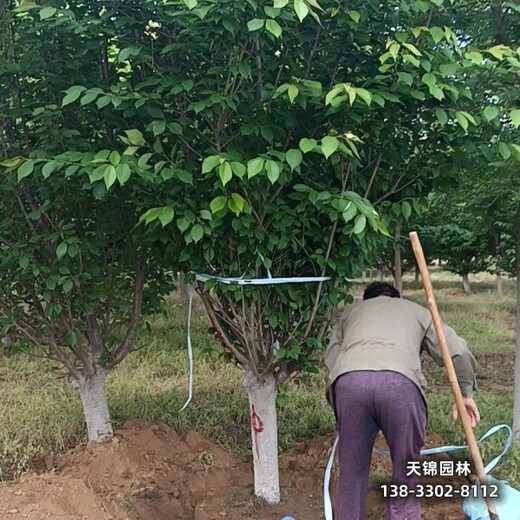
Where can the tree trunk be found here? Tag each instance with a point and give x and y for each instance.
(398, 273)
(417, 275)
(465, 283)
(516, 411)
(264, 432)
(95, 406)
(381, 273)
(500, 287)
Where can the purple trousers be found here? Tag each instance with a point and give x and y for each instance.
(368, 402)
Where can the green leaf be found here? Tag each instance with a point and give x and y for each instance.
(332, 94)
(329, 145)
(191, 4)
(225, 173)
(103, 101)
(307, 145)
(462, 120)
(406, 209)
(135, 137)
(294, 158)
(504, 150)
(158, 127)
(47, 12)
(301, 9)
(406, 78)
(185, 176)
(25, 169)
(26, 6)
(351, 92)
(293, 92)
(279, 4)
(255, 166)
(349, 212)
(238, 201)
(49, 168)
(151, 215)
(210, 163)
(499, 51)
(437, 34)
(273, 170)
(448, 69)
(469, 117)
(238, 169)
(143, 160)
(389, 96)
(491, 113)
(412, 48)
(61, 250)
(409, 58)
(274, 28)
(429, 79)
(110, 176)
(183, 224)
(474, 56)
(72, 94)
(197, 232)
(88, 98)
(315, 4)
(114, 158)
(166, 215)
(255, 24)
(365, 95)
(217, 204)
(515, 117)
(67, 285)
(123, 173)
(441, 116)
(359, 226)
(437, 92)
(354, 15)
(11, 163)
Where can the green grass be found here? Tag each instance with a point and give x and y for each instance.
(40, 411)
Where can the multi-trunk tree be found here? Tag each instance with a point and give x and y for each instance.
(76, 270)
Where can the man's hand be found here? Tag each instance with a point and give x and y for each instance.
(471, 408)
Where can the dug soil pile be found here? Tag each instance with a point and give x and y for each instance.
(149, 472)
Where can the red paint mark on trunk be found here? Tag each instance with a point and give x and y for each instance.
(258, 427)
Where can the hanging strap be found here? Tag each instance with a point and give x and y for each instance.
(262, 281)
(191, 290)
(327, 504)
(446, 449)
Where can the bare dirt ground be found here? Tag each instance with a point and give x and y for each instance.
(149, 472)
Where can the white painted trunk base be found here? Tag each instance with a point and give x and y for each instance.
(95, 406)
(264, 433)
(466, 284)
(500, 286)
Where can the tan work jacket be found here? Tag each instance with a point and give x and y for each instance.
(386, 333)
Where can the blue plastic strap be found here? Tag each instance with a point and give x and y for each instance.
(262, 281)
(191, 290)
(449, 448)
(327, 504)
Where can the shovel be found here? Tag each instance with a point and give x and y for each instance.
(450, 370)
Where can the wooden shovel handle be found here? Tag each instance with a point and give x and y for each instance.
(450, 369)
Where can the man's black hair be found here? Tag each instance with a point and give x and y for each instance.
(376, 289)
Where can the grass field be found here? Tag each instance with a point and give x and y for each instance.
(39, 410)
